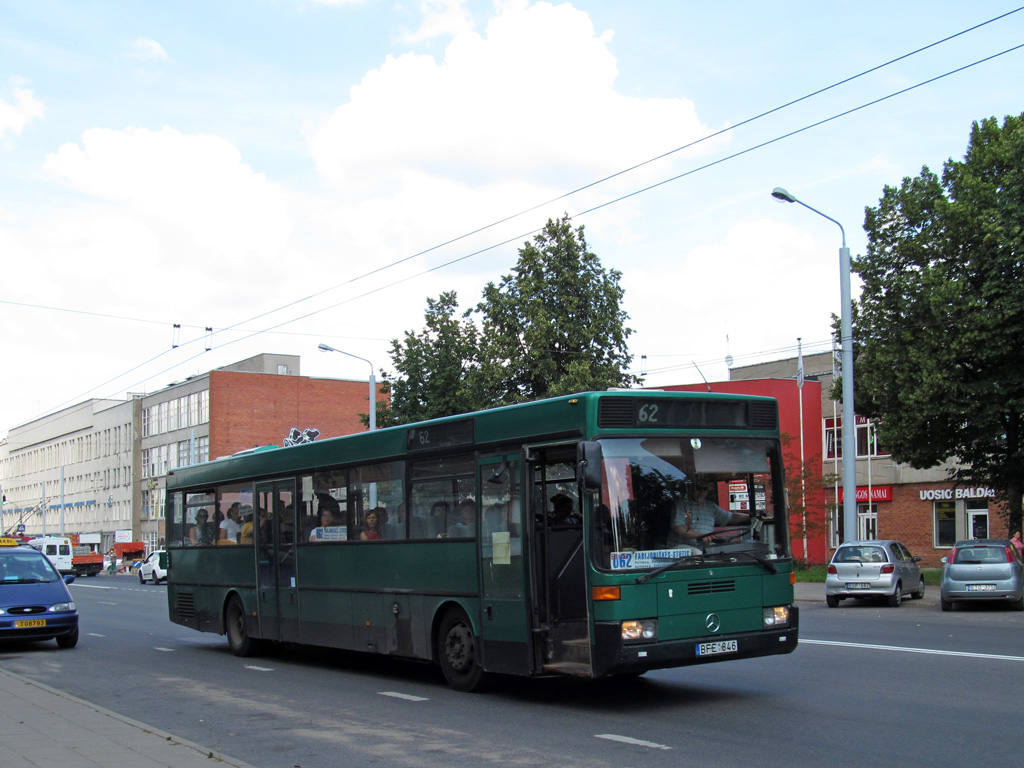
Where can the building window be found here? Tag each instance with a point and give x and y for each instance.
(867, 521)
(867, 439)
(944, 516)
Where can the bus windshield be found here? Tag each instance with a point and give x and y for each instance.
(689, 500)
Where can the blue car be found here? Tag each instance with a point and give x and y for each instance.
(34, 600)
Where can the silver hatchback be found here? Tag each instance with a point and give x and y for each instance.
(982, 569)
(875, 568)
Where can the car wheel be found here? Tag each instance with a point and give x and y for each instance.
(896, 598)
(919, 594)
(142, 579)
(457, 653)
(831, 601)
(946, 605)
(1018, 605)
(239, 641)
(69, 640)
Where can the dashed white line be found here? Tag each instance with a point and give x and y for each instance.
(406, 696)
(928, 651)
(254, 668)
(630, 740)
(165, 650)
(95, 634)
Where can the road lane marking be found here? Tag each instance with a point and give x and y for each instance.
(165, 650)
(95, 634)
(90, 586)
(928, 651)
(254, 668)
(406, 696)
(105, 602)
(629, 740)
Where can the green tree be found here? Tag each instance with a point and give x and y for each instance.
(554, 325)
(939, 323)
(434, 366)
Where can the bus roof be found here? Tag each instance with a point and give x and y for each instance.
(570, 417)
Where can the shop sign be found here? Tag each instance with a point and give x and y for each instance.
(878, 493)
(943, 494)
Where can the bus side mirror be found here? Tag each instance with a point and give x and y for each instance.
(588, 459)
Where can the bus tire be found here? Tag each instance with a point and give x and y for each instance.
(457, 652)
(239, 641)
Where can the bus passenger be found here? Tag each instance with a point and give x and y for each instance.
(230, 527)
(371, 532)
(563, 510)
(464, 522)
(329, 511)
(245, 536)
(199, 534)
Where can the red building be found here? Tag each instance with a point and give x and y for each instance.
(808, 518)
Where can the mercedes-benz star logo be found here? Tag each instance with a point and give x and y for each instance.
(712, 622)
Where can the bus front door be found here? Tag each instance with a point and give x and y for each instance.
(504, 632)
(275, 542)
(560, 594)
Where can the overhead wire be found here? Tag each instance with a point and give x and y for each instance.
(562, 197)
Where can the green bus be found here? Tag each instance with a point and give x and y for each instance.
(547, 538)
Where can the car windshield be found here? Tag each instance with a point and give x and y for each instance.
(26, 568)
(860, 555)
(980, 554)
(652, 486)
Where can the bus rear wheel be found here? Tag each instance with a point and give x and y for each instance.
(457, 653)
(239, 641)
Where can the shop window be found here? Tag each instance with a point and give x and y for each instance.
(944, 523)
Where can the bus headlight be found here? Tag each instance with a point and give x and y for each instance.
(645, 630)
(776, 617)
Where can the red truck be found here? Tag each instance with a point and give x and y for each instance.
(86, 562)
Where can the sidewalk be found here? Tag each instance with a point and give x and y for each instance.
(808, 592)
(41, 727)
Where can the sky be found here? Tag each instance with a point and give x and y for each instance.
(287, 173)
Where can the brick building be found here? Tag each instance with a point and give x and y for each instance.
(98, 467)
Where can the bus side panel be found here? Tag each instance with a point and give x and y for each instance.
(381, 598)
(199, 581)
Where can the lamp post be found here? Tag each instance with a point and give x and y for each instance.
(846, 332)
(373, 382)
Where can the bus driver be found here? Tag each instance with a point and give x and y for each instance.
(696, 517)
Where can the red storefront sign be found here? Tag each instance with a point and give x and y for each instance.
(878, 493)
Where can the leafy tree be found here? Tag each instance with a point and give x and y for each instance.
(941, 317)
(554, 326)
(435, 366)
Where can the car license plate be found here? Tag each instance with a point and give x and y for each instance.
(857, 585)
(25, 623)
(981, 587)
(713, 649)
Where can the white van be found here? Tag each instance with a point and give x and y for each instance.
(57, 550)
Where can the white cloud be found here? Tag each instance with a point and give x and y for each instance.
(194, 191)
(14, 117)
(441, 18)
(147, 49)
(533, 99)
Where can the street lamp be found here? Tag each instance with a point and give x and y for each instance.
(373, 382)
(846, 332)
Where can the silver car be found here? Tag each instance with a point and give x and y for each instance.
(875, 568)
(982, 569)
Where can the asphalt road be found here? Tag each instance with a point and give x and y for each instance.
(869, 685)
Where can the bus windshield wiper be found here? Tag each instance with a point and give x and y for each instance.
(768, 565)
(644, 577)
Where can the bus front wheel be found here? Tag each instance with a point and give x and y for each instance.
(239, 641)
(457, 652)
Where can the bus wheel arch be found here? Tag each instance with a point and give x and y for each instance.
(457, 649)
(236, 628)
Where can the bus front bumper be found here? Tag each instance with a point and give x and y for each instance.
(613, 657)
